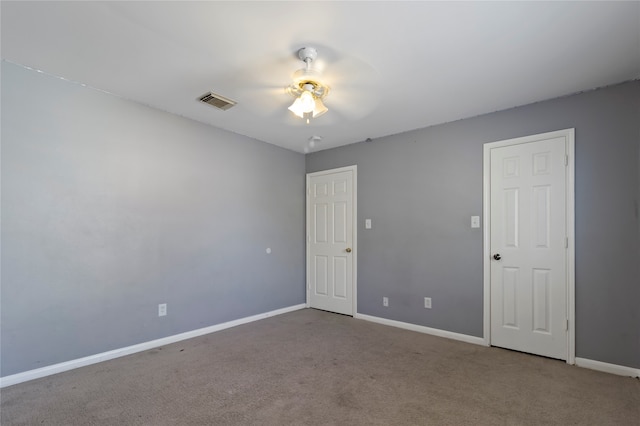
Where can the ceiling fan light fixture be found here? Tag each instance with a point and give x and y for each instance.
(308, 91)
(308, 104)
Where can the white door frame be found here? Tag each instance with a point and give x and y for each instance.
(354, 221)
(569, 135)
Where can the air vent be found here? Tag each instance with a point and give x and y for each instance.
(217, 101)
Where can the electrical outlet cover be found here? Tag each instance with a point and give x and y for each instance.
(162, 309)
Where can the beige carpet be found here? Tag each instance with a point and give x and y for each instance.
(315, 368)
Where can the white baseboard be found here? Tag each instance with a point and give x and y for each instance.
(422, 329)
(580, 362)
(619, 370)
(117, 353)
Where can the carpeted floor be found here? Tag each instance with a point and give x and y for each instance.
(316, 368)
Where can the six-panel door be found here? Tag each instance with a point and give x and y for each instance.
(528, 233)
(330, 234)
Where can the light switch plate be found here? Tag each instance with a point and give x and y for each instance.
(475, 221)
(367, 224)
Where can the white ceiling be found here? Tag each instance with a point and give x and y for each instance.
(392, 66)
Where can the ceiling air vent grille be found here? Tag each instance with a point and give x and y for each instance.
(217, 101)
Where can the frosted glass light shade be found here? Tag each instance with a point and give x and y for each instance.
(306, 102)
(303, 104)
(307, 105)
(296, 108)
(319, 108)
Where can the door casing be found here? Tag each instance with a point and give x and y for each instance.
(354, 219)
(569, 135)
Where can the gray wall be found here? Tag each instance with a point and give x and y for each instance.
(421, 187)
(110, 208)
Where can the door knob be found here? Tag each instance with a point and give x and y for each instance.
(348, 250)
(497, 256)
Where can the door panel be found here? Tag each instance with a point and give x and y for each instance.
(321, 273)
(541, 300)
(340, 280)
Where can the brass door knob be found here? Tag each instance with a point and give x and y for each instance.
(348, 250)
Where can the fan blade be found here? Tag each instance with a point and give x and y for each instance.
(354, 105)
(260, 86)
(354, 87)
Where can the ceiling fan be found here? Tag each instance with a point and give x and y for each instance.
(341, 87)
(308, 88)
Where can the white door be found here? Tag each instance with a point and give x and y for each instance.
(331, 240)
(529, 245)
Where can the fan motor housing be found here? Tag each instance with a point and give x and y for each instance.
(308, 54)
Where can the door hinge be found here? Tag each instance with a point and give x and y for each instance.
(566, 160)
(566, 325)
(566, 242)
